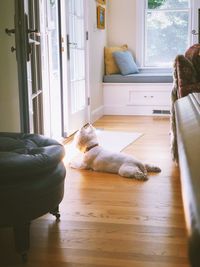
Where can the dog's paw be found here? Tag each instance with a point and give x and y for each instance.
(152, 168)
(73, 165)
(78, 165)
(156, 169)
(130, 171)
(140, 176)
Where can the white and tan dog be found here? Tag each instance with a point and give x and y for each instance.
(98, 159)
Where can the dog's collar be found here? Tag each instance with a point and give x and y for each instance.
(90, 147)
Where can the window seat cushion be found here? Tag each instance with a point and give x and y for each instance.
(144, 76)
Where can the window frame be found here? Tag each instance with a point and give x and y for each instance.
(141, 31)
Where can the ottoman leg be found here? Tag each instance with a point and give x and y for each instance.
(56, 213)
(22, 239)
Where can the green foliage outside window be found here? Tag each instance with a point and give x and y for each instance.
(155, 3)
(166, 31)
(171, 4)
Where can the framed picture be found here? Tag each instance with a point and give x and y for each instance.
(100, 17)
(103, 2)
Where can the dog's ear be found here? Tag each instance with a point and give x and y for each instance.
(91, 128)
(82, 130)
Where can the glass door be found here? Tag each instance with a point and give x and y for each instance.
(45, 107)
(74, 66)
(28, 54)
(51, 68)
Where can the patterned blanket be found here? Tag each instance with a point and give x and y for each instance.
(186, 80)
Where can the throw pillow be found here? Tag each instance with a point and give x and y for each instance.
(110, 64)
(125, 62)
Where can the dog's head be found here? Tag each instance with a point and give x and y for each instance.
(85, 138)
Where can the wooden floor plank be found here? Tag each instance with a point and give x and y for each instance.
(108, 220)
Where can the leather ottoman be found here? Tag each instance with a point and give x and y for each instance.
(32, 178)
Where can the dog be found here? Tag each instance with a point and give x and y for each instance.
(99, 159)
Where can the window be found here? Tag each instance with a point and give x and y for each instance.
(166, 25)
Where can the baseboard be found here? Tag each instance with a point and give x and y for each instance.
(97, 114)
(135, 110)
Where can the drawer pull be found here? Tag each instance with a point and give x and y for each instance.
(146, 96)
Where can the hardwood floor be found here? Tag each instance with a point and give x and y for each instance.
(107, 220)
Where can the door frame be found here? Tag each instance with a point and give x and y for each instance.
(61, 68)
(21, 56)
(195, 21)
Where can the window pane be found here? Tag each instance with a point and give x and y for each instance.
(166, 36)
(168, 4)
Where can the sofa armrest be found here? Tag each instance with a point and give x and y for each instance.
(187, 112)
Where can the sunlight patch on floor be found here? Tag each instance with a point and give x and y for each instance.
(71, 152)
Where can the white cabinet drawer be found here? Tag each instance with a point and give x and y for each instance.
(148, 98)
(136, 99)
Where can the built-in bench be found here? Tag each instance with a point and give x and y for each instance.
(144, 76)
(143, 93)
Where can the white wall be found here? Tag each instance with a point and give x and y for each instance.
(97, 41)
(122, 23)
(9, 101)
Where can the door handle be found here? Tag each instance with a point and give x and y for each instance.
(194, 32)
(10, 31)
(35, 31)
(68, 46)
(75, 44)
(12, 49)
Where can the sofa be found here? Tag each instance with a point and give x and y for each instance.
(185, 132)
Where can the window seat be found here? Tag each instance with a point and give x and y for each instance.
(145, 93)
(144, 76)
